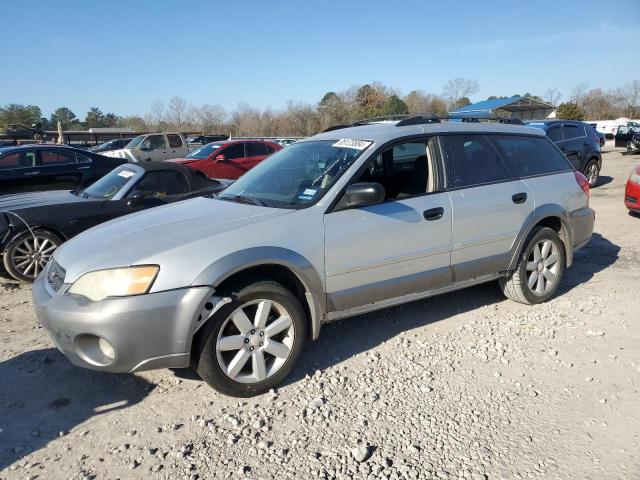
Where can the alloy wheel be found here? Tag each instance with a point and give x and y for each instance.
(543, 267)
(255, 341)
(32, 254)
(592, 174)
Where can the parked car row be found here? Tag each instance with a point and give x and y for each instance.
(346, 222)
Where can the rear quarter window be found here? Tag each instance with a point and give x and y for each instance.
(174, 141)
(530, 156)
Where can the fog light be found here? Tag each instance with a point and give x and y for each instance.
(107, 349)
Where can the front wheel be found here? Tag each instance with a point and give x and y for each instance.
(28, 253)
(252, 343)
(592, 172)
(539, 271)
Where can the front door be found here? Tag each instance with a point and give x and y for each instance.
(232, 166)
(395, 248)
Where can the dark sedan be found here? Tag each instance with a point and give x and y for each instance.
(33, 225)
(115, 144)
(29, 168)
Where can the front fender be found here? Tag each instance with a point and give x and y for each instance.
(225, 267)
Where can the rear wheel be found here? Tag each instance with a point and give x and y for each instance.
(592, 172)
(28, 253)
(252, 343)
(539, 271)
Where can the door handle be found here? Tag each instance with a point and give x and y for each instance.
(29, 174)
(519, 197)
(83, 168)
(433, 214)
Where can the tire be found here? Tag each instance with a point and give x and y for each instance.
(17, 256)
(592, 172)
(519, 286)
(235, 369)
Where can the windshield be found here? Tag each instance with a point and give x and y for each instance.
(297, 176)
(204, 151)
(105, 146)
(111, 183)
(135, 142)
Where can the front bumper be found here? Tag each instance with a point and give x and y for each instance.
(143, 332)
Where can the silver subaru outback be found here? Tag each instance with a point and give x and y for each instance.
(345, 222)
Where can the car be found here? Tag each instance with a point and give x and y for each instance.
(115, 144)
(18, 131)
(204, 139)
(33, 225)
(229, 159)
(601, 137)
(632, 191)
(578, 141)
(152, 147)
(339, 224)
(29, 168)
(284, 142)
(624, 134)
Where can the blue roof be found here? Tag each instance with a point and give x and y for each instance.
(484, 108)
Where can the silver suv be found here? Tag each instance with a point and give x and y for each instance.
(345, 222)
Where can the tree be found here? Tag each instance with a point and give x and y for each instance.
(16, 113)
(394, 106)
(461, 102)
(65, 116)
(332, 110)
(134, 122)
(457, 88)
(552, 96)
(578, 93)
(628, 97)
(177, 107)
(94, 118)
(369, 101)
(209, 118)
(569, 111)
(598, 104)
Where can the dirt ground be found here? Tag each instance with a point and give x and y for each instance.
(466, 385)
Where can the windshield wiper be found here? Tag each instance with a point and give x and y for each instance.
(244, 199)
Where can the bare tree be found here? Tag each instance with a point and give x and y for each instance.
(628, 97)
(552, 96)
(578, 93)
(458, 88)
(177, 107)
(208, 118)
(156, 117)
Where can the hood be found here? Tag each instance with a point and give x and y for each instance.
(21, 201)
(183, 231)
(120, 153)
(186, 161)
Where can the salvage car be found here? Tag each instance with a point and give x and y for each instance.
(632, 191)
(229, 159)
(339, 224)
(152, 147)
(18, 131)
(579, 142)
(29, 168)
(33, 225)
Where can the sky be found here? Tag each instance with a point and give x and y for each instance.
(124, 55)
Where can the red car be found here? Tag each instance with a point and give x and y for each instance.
(632, 192)
(228, 159)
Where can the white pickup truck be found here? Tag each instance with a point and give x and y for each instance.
(153, 147)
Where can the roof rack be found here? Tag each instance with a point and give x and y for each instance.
(424, 118)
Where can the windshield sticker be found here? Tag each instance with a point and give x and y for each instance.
(126, 174)
(350, 143)
(305, 197)
(309, 191)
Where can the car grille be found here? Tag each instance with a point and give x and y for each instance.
(55, 275)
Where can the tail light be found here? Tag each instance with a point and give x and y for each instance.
(582, 181)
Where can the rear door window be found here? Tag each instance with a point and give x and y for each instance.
(255, 149)
(470, 160)
(530, 156)
(233, 151)
(573, 131)
(174, 140)
(56, 157)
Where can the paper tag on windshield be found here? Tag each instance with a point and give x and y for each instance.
(126, 174)
(350, 143)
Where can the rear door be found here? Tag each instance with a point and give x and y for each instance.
(176, 149)
(489, 206)
(573, 143)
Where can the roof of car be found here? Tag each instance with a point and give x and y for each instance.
(38, 145)
(552, 122)
(386, 131)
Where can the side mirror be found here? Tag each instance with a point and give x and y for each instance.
(362, 194)
(135, 198)
(220, 158)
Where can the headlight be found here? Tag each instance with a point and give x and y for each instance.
(635, 176)
(116, 282)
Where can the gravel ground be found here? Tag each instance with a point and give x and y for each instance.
(465, 385)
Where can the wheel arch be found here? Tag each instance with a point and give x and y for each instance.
(551, 216)
(285, 266)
